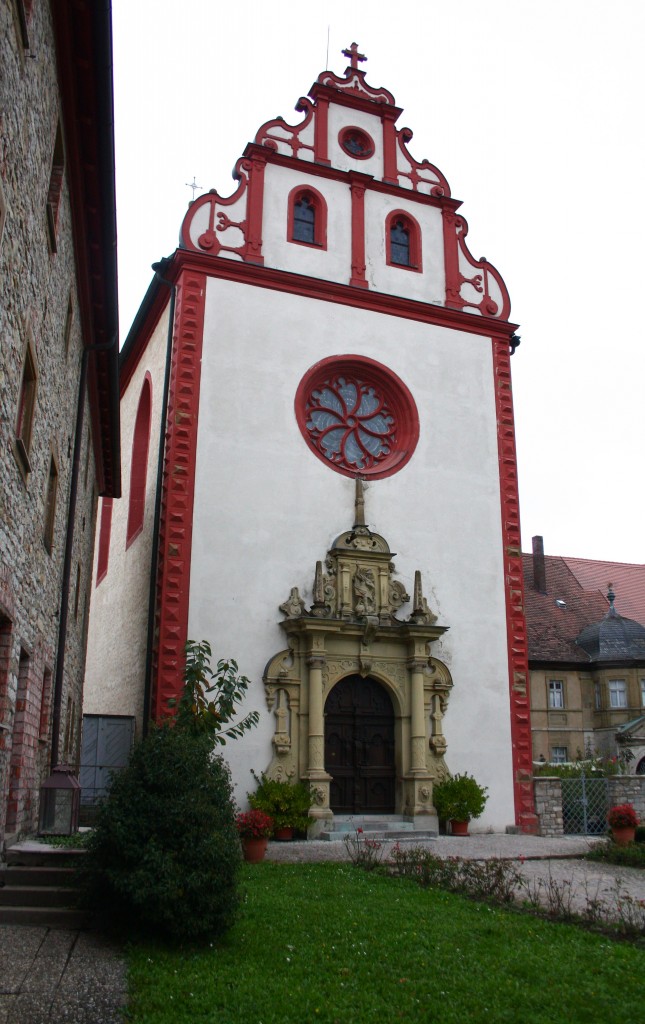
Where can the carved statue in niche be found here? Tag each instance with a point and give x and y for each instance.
(365, 592)
(282, 734)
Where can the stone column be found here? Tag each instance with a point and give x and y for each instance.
(316, 722)
(418, 763)
(320, 814)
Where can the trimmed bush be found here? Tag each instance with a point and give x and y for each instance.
(164, 856)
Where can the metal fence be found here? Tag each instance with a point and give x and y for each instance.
(584, 806)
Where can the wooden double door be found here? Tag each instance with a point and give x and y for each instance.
(359, 747)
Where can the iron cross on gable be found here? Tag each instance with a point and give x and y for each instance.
(354, 55)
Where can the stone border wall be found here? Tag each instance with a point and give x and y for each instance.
(548, 799)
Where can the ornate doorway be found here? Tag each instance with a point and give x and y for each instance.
(359, 747)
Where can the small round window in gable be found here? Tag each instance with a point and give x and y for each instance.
(357, 416)
(356, 143)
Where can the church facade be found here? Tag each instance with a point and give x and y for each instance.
(320, 475)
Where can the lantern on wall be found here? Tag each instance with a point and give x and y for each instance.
(60, 801)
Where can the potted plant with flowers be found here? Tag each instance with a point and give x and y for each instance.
(287, 803)
(458, 799)
(254, 828)
(623, 822)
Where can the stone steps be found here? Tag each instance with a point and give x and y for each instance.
(382, 828)
(37, 887)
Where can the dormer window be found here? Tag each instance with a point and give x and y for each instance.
(402, 241)
(307, 219)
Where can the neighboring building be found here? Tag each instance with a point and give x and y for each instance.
(58, 391)
(587, 661)
(325, 322)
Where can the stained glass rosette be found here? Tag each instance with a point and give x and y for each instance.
(357, 416)
(350, 424)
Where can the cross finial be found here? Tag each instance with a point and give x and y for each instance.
(193, 184)
(353, 54)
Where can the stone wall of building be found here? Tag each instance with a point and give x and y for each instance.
(39, 320)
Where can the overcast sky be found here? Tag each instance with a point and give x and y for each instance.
(534, 113)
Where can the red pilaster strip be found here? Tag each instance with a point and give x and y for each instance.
(358, 233)
(255, 205)
(321, 133)
(176, 528)
(451, 256)
(389, 147)
(525, 815)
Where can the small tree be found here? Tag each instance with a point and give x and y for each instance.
(202, 714)
(165, 852)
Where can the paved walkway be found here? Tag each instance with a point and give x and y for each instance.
(71, 977)
(47, 974)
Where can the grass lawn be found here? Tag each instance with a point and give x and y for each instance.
(331, 943)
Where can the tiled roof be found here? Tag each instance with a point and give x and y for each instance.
(552, 628)
(628, 582)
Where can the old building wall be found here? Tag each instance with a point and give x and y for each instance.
(39, 315)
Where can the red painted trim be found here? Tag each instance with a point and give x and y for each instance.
(389, 150)
(254, 208)
(351, 97)
(357, 186)
(388, 386)
(332, 291)
(336, 174)
(353, 130)
(176, 526)
(321, 129)
(451, 256)
(414, 234)
(309, 287)
(139, 463)
(105, 531)
(320, 222)
(514, 586)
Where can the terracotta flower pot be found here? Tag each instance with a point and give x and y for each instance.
(623, 836)
(458, 828)
(254, 850)
(283, 835)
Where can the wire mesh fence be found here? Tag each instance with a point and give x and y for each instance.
(584, 806)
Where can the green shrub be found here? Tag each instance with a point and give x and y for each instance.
(164, 855)
(459, 798)
(632, 855)
(288, 803)
(640, 834)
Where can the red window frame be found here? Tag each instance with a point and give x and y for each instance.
(317, 200)
(411, 226)
(388, 386)
(139, 465)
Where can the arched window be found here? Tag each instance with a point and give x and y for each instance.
(139, 467)
(307, 219)
(402, 241)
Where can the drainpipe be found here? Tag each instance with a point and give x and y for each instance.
(154, 558)
(69, 544)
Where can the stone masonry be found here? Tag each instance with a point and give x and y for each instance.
(39, 314)
(548, 799)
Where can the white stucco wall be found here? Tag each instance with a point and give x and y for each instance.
(116, 649)
(266, 508)
(332, 263)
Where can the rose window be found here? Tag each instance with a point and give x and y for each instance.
(357, 416)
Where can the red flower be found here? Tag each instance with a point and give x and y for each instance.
(622, 816)
(254, 825)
